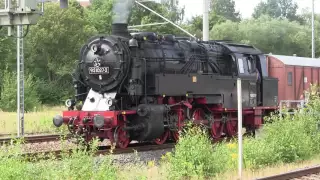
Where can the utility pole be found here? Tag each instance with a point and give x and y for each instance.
(312, 22)
(20, 81)
(205, 20)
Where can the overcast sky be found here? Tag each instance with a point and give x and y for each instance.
(246, 7)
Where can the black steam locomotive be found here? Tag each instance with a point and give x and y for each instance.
(143, 86)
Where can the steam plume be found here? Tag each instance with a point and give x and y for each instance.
(122, 11)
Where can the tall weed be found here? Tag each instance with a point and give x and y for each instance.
(81, 164)
(283, 139)
(193, 155)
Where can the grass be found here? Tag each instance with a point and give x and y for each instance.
(35, 122)
(80, 165)
(160, 172)
(83, 165)
(269, 171)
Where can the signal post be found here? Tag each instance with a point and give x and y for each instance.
(25, 13)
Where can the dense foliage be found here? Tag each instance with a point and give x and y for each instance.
(278, 36)
(52, 46)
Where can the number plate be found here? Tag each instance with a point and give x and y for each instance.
(98, 70)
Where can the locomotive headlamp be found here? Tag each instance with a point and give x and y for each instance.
(95, 48)
(69, 103)
(98, 121)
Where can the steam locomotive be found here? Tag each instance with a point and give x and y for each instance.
(145, 87)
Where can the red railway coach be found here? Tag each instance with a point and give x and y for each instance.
(295, 74)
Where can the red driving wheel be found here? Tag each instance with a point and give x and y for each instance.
(121, 137)
(216, 129)
(198, 114)
(163, 138)
(232, 127)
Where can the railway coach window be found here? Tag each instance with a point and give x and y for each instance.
(289, 78)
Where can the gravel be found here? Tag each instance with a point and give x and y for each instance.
(309, 177)
(139, 157)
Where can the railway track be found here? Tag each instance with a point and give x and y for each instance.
(310, 173)
(35, 138)
(5, 135)
(141, 147)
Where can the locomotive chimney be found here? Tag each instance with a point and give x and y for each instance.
(120, 29)
(122, 10)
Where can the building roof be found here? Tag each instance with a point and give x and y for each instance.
(85, 3)
(297, 61)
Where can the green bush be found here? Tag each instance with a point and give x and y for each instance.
(53, 93)
(283, 139)
(8, 98)
(192, 155)
(81, 164)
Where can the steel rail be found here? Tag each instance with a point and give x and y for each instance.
(294, 174)
(139, 147)
(4, 135)
(35, 138)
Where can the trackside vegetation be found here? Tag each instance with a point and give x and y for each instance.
(81, 164)
(283, 139)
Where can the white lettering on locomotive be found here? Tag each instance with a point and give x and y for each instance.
(98, 70)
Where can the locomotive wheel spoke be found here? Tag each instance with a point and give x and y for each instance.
(198, 115)
(180, 118)
(175, 135)
(232, 127)
(121, 137)
(216, 129)
(163, 138)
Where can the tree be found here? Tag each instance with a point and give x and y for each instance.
(278, 8)
(52, 49)
(279, 36)
(100, 14)
(9, 93)
(225, 9)
(220, 11)
(171, 11)
(196, 23)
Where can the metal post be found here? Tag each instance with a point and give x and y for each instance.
(42, 6)
(165, 19)
(7, 4)
(20, 81)
(205, 20)
(312, 22)
(239, 127)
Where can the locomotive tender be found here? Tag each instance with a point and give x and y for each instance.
(144, 87)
